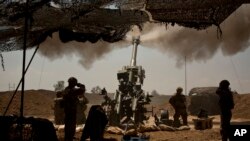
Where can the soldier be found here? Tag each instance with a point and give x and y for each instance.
(178, 101)
(104, 91)
(95, 124)
(226, 104)
(70, 98)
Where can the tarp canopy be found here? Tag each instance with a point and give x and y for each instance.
(108, 20)
(204, 98)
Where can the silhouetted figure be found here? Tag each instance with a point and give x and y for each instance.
(178, 101)
(226, 104)
(43, 130)
(95, 124)
(35, 129)
(70, 99)
(104, 92)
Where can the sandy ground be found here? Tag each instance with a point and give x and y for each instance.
(39, 103)
(186, 135)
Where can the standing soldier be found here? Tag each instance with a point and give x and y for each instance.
(226, 104)
(70, 98)
(178, 101)
(104, 91)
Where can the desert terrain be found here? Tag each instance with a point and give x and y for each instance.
(40, 103)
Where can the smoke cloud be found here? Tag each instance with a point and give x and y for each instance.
(176, 41)
(201, 45)
(88, 52)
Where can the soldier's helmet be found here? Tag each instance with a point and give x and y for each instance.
(224, 84)
(179, 89)
(72, 80)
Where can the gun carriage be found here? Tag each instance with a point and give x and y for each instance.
(128, 104)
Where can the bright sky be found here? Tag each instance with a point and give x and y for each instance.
(160, 66)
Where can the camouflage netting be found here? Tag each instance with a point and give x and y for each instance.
(108, 20)
(204, 98)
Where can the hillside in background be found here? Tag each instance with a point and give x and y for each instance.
(40, 103)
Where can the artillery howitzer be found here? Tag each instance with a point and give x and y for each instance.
(129, 99)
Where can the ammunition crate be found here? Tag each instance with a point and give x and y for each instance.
(203, 123)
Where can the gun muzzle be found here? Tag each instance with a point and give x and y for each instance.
(136, 42)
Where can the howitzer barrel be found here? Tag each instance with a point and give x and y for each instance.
(118, 105)
(136, 42)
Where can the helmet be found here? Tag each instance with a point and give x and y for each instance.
(72, 80)
(224, 83)
(179, 89)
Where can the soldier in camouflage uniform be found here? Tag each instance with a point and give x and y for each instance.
(178, 101)
(226, 104)
(70, 98)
